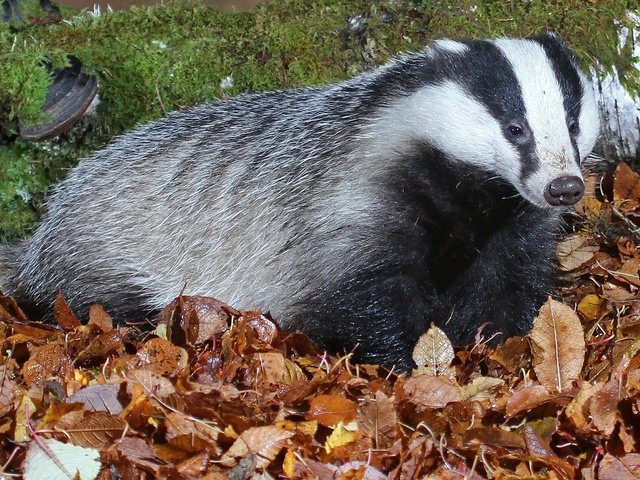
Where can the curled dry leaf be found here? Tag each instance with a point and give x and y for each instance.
(195, 319)
(557, 344)
(63, 314)
(8, 391)
(626, 188)
(98, 316)
(433, 353)
(576, 251)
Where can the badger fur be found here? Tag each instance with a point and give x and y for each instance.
(359, 212)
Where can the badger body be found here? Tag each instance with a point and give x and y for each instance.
(358, 213)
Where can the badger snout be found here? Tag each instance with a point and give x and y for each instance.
(565, 190)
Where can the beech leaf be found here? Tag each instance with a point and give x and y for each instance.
(433, 353)
(558, 347)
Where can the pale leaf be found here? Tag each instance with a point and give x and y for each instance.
(60, 461)
(557, 344)
(433, 353)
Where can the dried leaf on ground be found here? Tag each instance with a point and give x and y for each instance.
(54, 460)
(576, 251)
(433, 353)
(558, 347)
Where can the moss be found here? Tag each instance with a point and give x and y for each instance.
(154, 60)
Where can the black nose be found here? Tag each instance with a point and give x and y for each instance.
(564, 191)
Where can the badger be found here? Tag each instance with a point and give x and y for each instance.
(427, 191)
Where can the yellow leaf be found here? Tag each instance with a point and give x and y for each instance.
(591, 306)
(25, 410)
(342, 435)
(289, 463)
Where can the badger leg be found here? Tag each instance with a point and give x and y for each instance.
(507, 282)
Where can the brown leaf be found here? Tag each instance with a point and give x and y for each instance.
(8, 391)
(626, 467)
(628, 273)
(163, 357)
(99, 398)
(425, 391)
(604, 407)
(189, 435)
(557, 344)
(263, 442)
(64, 315)
(535, 445)
(575, 251)
(480, 388)
(194, 466)
(99, 317)
(528, 398)
(328, 410)
(626, 188)
(195, 319)
(101, 347)
(377, 420)
(578, 409)
(48, 361)
(91, 429)
(512, 354)
(493, 436)
(433, 353)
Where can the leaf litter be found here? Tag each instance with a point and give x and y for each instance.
(217, 393)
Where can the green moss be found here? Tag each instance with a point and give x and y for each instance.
(154, 60)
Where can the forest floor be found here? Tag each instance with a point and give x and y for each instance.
(215, 393)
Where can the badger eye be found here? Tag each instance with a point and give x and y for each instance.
(515, 130)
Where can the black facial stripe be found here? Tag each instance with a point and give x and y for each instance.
(563, 63)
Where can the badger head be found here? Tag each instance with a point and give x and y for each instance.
(518, 108)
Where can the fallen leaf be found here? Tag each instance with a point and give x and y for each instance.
(99, 398)
(51, 459)
(64, 315)
(604, 407)
(626, 188)
(558, 346)
(342, 435)
(377, 419)
(48, 361)
(99, 317)
(162, 357)
(91, 429)
(329, 410)
(426, 391)
(263, 442)
(528, 398)
(625, 467)
(433, 353)
(592, 306)
(575, 251)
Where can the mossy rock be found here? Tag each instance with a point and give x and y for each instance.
(150, 61)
